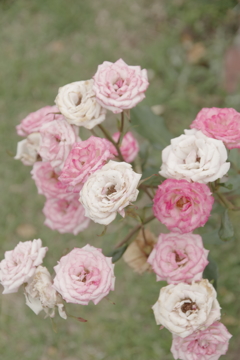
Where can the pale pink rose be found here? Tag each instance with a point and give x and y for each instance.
(58, 138)
(20, 264)
(179, 258)
(47, 181)
(34, 121)
(119, 86)
(129, 146)
(208, 344)
(84, 159)
(65, 215)
(83, 275)
(181, 205)
(220, 124)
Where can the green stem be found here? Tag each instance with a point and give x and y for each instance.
(121, 130)
(108, 136)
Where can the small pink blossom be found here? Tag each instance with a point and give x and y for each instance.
(58, 138)
(179, 258)
(119, 86)
(65, 215)
(34, 121)
(181, 205)
(83, 275)
(208, 344)
(129, 146)
(84, 159)
(20, 264)
(220, 124)
(47, 181)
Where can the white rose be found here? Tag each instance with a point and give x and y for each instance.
(195, 157)
(77, 102)
(185, 308)
(27, 149)
(40, 295)
(108, 191)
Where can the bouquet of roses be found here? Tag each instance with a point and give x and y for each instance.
(101, 177)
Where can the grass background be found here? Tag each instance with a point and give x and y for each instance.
(46, 44)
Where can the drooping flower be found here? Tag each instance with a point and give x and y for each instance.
(84, 275)
(129, 146)
(119, 86)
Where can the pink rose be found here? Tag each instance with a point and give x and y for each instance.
(181, 205)
(47, 181)
(58, 138)
(65, 215)
(208, 344)
(220, 124)
(129, 146)
(84, 159)
(119, 86)
(83, 275)
(34, 121)
(178, 258)
(20, 264)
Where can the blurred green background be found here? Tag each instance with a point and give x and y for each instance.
(192, 52)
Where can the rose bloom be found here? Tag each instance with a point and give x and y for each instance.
(119, 86)
(194, 157)
(27, 149)
(185, 308)
(181, 205)
(84, 275)
(208, 344)
(47, 181)
(108, 191)
(84, 159)
(221, 124)
(58, 138)
(34, 121)
(178, 258)
(20, 264)
(65, 215)
(40, 294)
(129, 146)
(77, 102)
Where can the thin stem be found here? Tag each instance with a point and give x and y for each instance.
(94, 133)
(146, 191)
(225, 201)
(134, 230)
(108, 136)
(121, 130)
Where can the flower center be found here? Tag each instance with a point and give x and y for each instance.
(78, 102)
(181, 202)
(189, 306)
(111, 190)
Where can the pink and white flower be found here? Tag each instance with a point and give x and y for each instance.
(179, 258)
(84, 159)
(28, 149)
(20, 264)
(84, 275)
(65, 215)
(181, 205)
(129, 146)
(221, 124)
(57, 140)
(208, 344)
(119, 86)
(33, 122)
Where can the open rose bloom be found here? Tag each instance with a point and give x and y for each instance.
(221, 124)
(181, 205)
(185, 308)
(84, 275)
(119, 86)
(20, 264)
(208, 344)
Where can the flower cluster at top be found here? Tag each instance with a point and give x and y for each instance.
(97, 178)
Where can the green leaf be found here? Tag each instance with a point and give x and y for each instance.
(116, 254)
(211, 272)
(226, 230)
(211, 237)
(150, 126)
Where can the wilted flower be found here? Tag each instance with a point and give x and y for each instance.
(28, 149)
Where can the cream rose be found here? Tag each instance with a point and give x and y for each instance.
(27, 149)
(194, 157)
(40, 295)
(108, 191)
(77, 102)
(185, 308)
